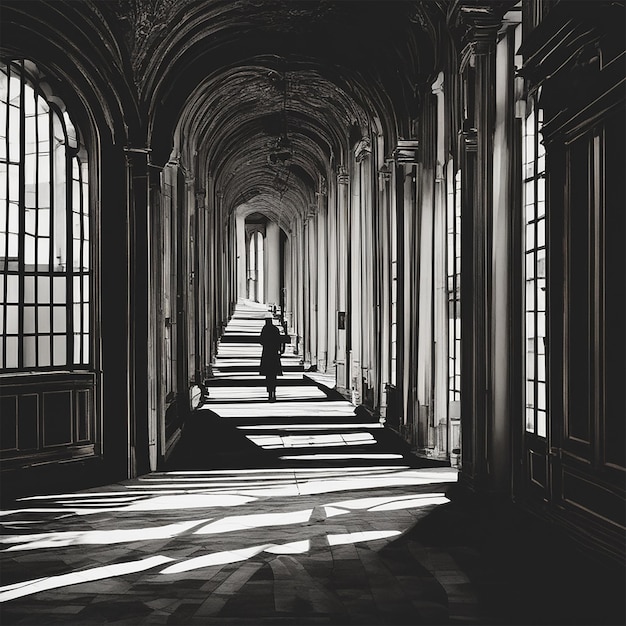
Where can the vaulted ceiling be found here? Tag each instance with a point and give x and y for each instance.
(270, 93)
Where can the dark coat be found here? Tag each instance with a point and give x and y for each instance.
(272, 343)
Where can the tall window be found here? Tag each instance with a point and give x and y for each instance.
(535, 270)
(45, 279)
(453, 272)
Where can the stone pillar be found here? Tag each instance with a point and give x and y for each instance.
(312, 280)
(440, 292)
(322, 289)
(482, 24)
(356, 288)
(138, 367)
(384, 198)
(242, 255)
(332, 273)
(272, 263)
(343, 183)
(499, 438)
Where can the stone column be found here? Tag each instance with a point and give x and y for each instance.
(499, 439)
(322, 288)
(272, 263)
(356, 288)
(332, 273)
(242, 255)
(440, 292)
(138, 365)
(343, 184)
(482, 24)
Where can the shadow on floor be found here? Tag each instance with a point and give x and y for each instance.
(210, 442)
(523, 570)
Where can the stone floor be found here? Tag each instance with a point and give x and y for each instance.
(295, 512)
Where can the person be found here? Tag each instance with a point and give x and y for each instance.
(271, 367)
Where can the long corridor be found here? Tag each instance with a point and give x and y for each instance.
(295, 512)
(308, 530)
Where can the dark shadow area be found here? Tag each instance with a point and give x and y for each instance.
(523, 570)
(210, 442)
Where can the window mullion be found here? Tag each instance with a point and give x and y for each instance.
(5, 251)
(22, 223)
(69, 265)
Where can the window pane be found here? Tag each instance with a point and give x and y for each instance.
(43, 343)
(10, 355)
(541, 396)
(30, 353)
(13, 246)
(43, 289)
(43, 319)
(60, 349)
(541, 423)
(29, 289)
(77, 318)
(76, 284)
(14, 217)
(29, 319)
(59, 287)
(14, 134)
(29, 252)
(12, 319)
(85, 348)
(77, 342)
(76, 252)
(43, 253)
(13, 288)
(43, 222)
(85, 255)
(59, 324)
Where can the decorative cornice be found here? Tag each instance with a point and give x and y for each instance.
(477, 23)
(406, 151)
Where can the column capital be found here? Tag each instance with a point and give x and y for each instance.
(479, 22)
(469, 137)
(343, 178)
(437, 86)
(363, 148)
(406, 151)
(384, 172)
(137, 156)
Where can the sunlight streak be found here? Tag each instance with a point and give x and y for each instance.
(368, 535)
(218, 558)
(96, 537)
(259, 520)
(26, 588)
(294, 547)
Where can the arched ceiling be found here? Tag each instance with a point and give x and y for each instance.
(270, 93)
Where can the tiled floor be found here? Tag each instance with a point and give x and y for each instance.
(295, 512)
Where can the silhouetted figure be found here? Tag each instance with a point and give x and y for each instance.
(271, 367)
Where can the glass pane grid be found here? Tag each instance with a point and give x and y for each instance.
(37, 204)
(535, 272)
(453, 271)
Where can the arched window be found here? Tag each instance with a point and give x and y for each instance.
(45, 253)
